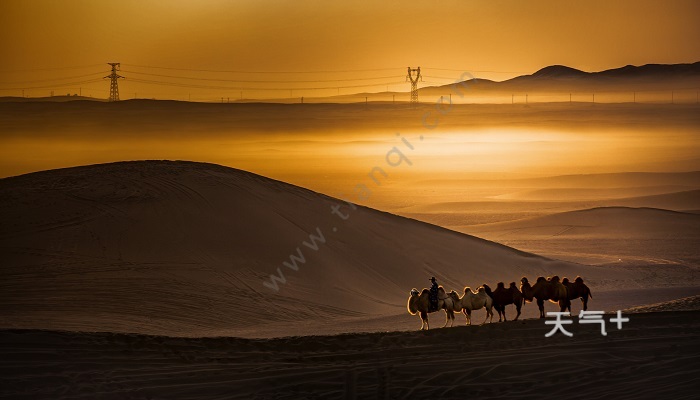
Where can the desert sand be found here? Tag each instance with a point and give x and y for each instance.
(654, 354)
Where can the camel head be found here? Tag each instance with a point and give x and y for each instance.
(411, 305)
(524, 280)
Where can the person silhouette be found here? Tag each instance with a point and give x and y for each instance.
(433, 294)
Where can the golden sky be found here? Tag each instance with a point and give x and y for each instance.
(490, 39)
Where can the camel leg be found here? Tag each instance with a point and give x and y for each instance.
(468, 314)
(517, 308)
(503, 309)
(452, 318)
(540, 305)
(564, 304)
(447, 318)
(584, 300)
(489, 311)
(424, 321)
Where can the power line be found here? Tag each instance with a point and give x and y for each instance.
(477, 70)
(52, 69)
(262, 81)
(194, 86)
(58, 85)
(56, 79)
(264, 72)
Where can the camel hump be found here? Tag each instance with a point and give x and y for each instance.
(512, 284)
(541, 278)
(481, 290)
(424, 292)
(555, 278)
(501, 285)
(565, 281)
(578, 279)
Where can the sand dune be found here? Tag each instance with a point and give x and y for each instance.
(687, 200)
(653, 356)
(185, 248)
(182, 248)
(604, 235)
(584, 193)
(459, 215)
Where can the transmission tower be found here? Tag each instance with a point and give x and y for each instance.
(414, 83)
(113, 86)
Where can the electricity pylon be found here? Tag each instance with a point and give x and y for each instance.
(113, 86)
(414, 83)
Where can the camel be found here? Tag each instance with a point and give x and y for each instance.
(419, 303)
(503, 297)
(577, 289)
(475, 301)
(545, 289)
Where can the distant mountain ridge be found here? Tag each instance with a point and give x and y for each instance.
(628, 71)
(561, 77)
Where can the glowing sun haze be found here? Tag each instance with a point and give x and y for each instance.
(491, 39)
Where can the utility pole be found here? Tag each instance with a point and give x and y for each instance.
(414, 83)
(113, 86)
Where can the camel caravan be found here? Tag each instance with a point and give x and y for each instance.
(545, 289)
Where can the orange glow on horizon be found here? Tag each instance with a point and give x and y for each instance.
(493, 40)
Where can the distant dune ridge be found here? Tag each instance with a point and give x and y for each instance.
(183, 248)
